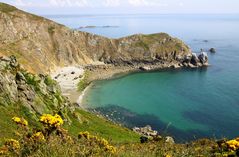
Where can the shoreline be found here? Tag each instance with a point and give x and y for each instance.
(109, 71)
(69, 77)
(81, 96)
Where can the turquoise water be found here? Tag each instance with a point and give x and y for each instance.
(186, 104)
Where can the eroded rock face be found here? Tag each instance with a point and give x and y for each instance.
(37, 92)
(41, 44)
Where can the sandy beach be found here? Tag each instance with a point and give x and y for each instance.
(68, 78)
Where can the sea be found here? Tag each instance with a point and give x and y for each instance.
(186, 104)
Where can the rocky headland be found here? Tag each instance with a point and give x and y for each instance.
(42, 45)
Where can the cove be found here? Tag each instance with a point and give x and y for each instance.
(185, 104)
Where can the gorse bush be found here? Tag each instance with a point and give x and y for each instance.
(52, 137)
(101, 142)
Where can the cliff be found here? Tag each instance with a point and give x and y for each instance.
(41, 45)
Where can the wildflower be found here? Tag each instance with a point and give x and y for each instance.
(38, 136)
(233, 144)
(104, 142)
(51, 121)
(20, 121)
(110, 148)
(3, 150)
(12, 144)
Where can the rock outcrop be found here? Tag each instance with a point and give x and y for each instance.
(41, 45)
(145, 131)
(39, 93)
(212, 50)
(203, 57)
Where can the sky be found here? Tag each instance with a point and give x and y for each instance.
(46, 7)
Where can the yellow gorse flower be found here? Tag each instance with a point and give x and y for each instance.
(12, 144)
(3, 150)
(233, 144)
(38, 136)
(84, 134)
(110, 148)
(20, 121)
(101, 141)
(51, 121)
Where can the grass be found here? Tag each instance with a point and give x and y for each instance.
(7, 8)
(84, 82)
(126, 142)
(51, 29)
(80, 121)
(64, 142)
(101, 127)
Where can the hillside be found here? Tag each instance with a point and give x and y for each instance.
(41, 45)
(25, 98)
(37, 120)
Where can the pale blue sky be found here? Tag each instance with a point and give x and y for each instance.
(125, 6)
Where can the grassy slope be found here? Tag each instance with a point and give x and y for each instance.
(88, 122)
(104, 128)
(6, 8)
(126, 141)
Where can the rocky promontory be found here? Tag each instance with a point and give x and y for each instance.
(42, 45)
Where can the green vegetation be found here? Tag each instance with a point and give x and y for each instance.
(86, 121)
(142, 44)
(166, 47)
(7, 8)
(51, 29)
(40, 122)
(49, 81)
(84, 82)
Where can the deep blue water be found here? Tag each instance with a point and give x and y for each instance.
(186, 104)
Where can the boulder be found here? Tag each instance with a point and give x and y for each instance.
(192, 65)
(143, 139)
(13, 61)
(169, 139)
(176, 66)
(212, 50)
(187, 58)
(203, 57)
(145, 131)
(194, 59)
(144, 68)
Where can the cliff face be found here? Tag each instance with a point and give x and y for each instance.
(39, 93)
(41, 45)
